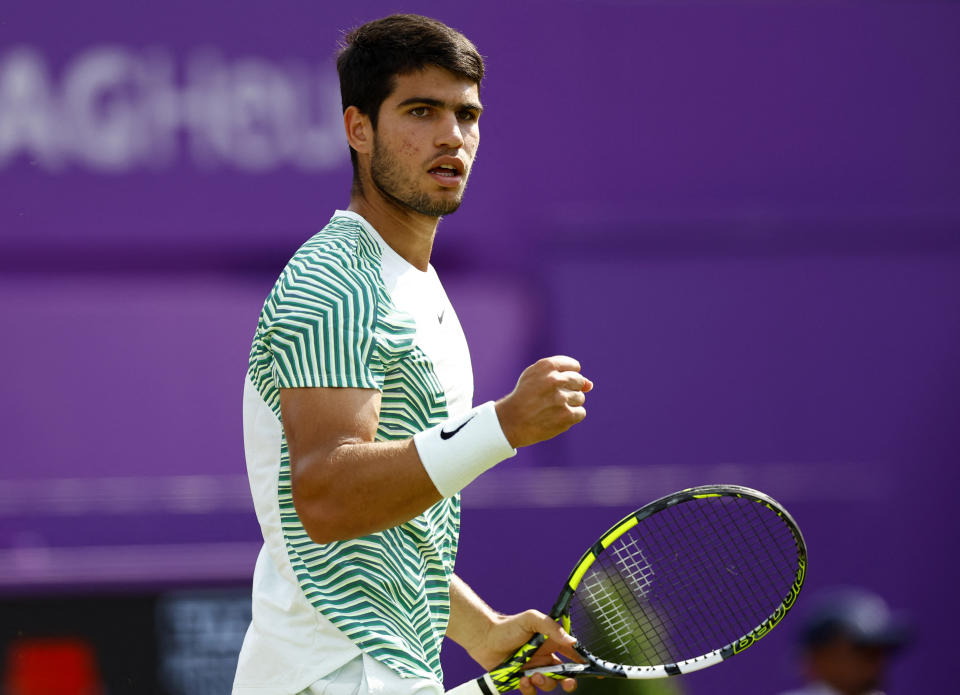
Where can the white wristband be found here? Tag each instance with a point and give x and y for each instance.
(458, 450)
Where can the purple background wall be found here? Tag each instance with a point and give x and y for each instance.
(743, 219)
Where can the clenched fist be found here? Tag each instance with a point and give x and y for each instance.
(547, 400)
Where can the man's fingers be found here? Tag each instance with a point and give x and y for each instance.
(545, 625)
(529, 686)
(566, 649)
(557, 641)
(557, 638)
(573, 381)
(548, 399)
(544, 683)
(562, 363)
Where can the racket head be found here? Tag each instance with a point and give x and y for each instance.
(683, 583)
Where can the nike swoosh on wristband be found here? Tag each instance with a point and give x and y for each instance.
(446, 435)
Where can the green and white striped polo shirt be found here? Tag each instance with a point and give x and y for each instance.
(348, 311)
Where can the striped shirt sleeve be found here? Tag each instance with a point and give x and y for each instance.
(321, 325)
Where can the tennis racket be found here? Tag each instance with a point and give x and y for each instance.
(681, 584)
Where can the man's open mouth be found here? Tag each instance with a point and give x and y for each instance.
(445, 170)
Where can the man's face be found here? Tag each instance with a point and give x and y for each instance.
(426, 140)
(850, 668)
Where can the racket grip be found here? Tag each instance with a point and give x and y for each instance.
(504, 677)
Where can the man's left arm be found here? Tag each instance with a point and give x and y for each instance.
(490, 637)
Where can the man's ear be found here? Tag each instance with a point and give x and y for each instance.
(359, 130)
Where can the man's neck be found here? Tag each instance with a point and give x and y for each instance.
(408, 233)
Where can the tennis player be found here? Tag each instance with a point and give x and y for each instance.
(359, 426)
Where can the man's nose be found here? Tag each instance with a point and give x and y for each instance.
(449, 134)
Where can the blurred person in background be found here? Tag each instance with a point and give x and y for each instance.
(359, 428)
(848, 639)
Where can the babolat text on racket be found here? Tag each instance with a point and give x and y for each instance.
(681, 584)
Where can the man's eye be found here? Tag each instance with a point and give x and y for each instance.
(419, 111)
(467, 116)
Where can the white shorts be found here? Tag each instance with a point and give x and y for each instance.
(365, 675)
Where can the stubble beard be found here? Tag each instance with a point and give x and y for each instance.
(386, 174)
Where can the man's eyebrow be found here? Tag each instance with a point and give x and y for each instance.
(440, 104)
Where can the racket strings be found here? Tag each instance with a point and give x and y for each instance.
(685, 581)
(741, 599)
(738, 591)
(633, 565)
(743, 604)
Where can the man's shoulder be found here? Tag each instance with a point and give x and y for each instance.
(343, 243)
(340, 261)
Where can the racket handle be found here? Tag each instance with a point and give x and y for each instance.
(481, 686)
(504, 677)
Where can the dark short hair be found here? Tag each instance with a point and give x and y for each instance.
(372, 55)
(855, 615)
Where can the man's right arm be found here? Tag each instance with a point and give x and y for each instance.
(346, 485)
